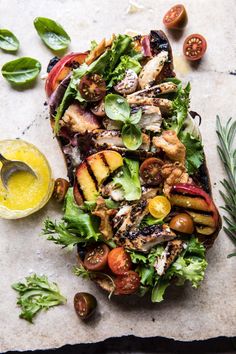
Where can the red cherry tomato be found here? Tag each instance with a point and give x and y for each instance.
(60, 189)
(176, 17)
(62, 69)
(96, 257)
(127, 283)
(194, 47)
(119, 261)
(92, 87)
(150, 171)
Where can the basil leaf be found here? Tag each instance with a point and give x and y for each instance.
(21, 71)
(8, 41)
(131, 136)
(51, 33)
(117, 108)
(135, 118)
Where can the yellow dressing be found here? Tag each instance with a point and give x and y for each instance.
(25, 193)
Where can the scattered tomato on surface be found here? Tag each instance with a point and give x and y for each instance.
(159, 207)
(96, 257)
(85, 305)
(194, 47)
(119, 261)
(176, 17)
(60, 189)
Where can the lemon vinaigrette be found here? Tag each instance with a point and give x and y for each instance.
(25, 194)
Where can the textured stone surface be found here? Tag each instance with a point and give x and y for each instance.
(187, 314)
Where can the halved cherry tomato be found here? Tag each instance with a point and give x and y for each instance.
(96, 257)
(62, 69)
(85, 305)
(92, 87)
(150, 171)
(61, 186)
(194, 47)
(183, 223)
(176, 17)
(159, 207)
(127, 283)
(119, 261)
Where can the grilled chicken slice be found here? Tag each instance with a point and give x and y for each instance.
(164, 104)
(143, 240)
(123, 213)
(152, 69)
(78, 120)
(151, 119)
(112, 139)
(170, 253)
(149, 193)
(155, 91)
(132, 219)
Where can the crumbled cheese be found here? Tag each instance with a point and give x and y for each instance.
(134, 7)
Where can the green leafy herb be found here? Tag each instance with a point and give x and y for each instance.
(131, 136)
(190, 268)
(77, 226)
(122, 44)
(21, 71)
(150, 220)
(194, 152)
(126, 62)
(117, 108)
(37, 294)
(180, 107)
(8, 41)
(128, 180)
(51, 33)
(227, 153)
(159, 290)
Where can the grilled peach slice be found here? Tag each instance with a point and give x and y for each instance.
(93, 172)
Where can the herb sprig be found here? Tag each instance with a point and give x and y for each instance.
(227, 153)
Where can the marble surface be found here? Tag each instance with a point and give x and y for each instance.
(186, 314)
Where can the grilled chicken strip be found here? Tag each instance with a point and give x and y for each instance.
(78, 120)
(144, 239)
(155, 91)
(170, 253)
(152, 69)
(133, 218)
(112, 139)
(151, 119)
(171, 145)
(164, 104)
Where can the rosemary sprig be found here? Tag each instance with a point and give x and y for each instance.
(227, 153)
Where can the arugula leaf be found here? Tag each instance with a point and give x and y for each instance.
(194, 152)
(128, 179)
(37, 294)
(8, 41)
(52, 33)
(180, 106)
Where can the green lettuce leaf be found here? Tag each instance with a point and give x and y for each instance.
(194, 152)
(159, 290)
(126, 62)
(128, 180)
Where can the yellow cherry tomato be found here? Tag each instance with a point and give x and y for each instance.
(159, 207)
